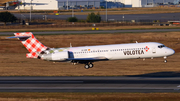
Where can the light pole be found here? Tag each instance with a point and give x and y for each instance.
(146, 2)
(24, 4)
(23, 18)
(18, 3)
(67, 4)
(72, 12)
(30, 10)
(106, 10)
(123, 17)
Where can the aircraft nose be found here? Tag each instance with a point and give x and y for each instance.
(171, 52)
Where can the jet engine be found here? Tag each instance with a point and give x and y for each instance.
(59, 56)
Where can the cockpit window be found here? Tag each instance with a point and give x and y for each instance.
(161, 46)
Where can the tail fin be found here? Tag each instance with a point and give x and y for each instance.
(31, 44)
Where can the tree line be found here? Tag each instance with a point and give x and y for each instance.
(91, 18)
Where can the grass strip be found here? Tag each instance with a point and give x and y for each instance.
(90, 29)
(153, 10)
(90, 96)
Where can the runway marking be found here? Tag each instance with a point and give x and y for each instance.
(178, 86)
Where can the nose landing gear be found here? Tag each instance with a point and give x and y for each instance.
(165, 61)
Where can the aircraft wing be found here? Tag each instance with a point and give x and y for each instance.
(89, 59)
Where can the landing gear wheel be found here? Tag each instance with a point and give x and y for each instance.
(86, 66)
(165, 61)
(91, 65)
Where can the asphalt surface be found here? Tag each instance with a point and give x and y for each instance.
(99, 31)
(161, 17)
(90, 84)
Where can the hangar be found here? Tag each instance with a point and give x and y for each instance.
(58, 4)
(77, 4)
(126, 3)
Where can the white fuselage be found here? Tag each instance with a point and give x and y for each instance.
(123, 51)
(112, 52)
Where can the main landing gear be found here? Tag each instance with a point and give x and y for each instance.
(88, 65)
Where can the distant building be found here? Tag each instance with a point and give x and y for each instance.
(112, 4)
(176, 1)
(59, 4)
(126, 3)
(78, 4)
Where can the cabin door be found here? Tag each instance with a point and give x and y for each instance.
(153, 50)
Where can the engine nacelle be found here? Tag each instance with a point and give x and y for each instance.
(59, 56)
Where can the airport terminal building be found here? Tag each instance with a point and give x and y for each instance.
(77, 4)
(58, 4)
(84, 4)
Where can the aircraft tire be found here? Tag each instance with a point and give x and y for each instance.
(91, 65)
(86, 66)
(165, 61)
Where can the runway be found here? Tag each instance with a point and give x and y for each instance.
(99, 31)
(90, 84)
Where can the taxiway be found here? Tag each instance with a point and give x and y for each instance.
(90, 84)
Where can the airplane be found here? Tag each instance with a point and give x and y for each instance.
(89, 54)
(9, 4)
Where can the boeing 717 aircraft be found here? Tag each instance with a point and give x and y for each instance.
(89, 54)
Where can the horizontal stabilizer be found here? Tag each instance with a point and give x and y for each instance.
(32, 55)
(19, 37)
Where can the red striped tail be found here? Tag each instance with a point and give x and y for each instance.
(31, 44)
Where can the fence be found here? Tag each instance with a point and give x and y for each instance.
(64, 25)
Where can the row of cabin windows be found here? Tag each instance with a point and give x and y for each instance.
(91, 51)
(127, 49)
(110, 50)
